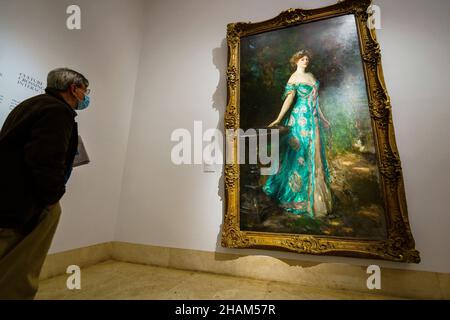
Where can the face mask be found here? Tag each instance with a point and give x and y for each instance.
(83, 104)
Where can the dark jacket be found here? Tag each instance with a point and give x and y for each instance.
(38, 143)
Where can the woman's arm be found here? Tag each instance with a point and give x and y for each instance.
(322, 117)
(286, 105)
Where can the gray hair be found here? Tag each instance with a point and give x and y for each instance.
(62, 78)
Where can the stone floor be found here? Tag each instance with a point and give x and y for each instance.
(119, 280)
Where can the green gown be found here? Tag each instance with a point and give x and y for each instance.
(302, 183)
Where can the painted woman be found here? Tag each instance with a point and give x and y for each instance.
(302, 184)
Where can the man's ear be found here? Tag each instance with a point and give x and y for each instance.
(73, 88)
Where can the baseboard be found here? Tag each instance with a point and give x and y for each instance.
(56, 264)
(337, 276)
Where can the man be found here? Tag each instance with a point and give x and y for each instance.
(38, 143)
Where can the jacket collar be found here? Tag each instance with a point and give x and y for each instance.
(55, 93)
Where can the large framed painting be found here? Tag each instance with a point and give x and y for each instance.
(307, 86)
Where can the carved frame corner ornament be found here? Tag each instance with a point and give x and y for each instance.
(399, 245)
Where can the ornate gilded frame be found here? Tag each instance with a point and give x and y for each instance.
(399, 245)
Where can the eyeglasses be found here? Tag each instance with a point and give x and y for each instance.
(87, 92)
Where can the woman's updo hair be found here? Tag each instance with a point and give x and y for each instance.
(298, 55)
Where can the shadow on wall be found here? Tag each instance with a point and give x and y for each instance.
(219, 99)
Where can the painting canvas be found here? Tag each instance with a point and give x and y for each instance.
(328, 180)
(313, 77)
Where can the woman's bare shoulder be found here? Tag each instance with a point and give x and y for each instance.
(311, 76)
(292, 79)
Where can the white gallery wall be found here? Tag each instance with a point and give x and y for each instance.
(182, 78)
(34, 39)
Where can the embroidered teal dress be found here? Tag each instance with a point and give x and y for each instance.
(302, 183)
